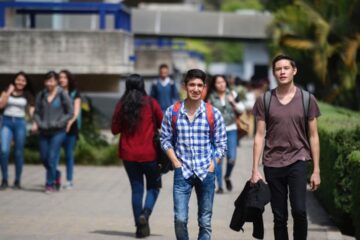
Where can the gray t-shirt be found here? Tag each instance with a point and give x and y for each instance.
(285, 141)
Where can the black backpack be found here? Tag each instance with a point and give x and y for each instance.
(306, 104)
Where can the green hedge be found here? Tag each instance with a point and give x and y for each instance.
(88, 151)
(355, 166)
(339, 131)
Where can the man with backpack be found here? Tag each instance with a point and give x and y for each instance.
(286, 118)
(193, 136)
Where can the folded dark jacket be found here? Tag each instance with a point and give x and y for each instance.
(249, 207)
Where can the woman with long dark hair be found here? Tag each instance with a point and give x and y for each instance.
(53, 110)
(136, 117)
(16, 101)
(220, 96)
(67, 82)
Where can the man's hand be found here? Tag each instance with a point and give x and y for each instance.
(255, 176)
(315, 181)
(177, 164)
(211, 167)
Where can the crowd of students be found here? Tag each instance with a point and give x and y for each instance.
(53, 113)
(197, 134)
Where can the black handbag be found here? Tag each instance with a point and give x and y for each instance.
(163, 161)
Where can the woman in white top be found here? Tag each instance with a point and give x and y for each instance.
(16, 101)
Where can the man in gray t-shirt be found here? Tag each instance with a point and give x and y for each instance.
(286, 148)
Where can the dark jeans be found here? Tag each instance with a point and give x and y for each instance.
(284, 181)
(49, 153)
(136, 172)
(205, 197)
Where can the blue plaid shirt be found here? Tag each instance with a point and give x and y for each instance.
(192, 144)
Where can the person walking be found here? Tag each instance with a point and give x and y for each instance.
(287, 147)
(193, 143)
(67, 82)
(53, 110)
(220, 96)
(135, 118)
(164, 89)
(16, 101)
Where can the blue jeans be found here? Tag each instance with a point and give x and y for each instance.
(69, 145)
(205, 195)
(12, 128)
(50, 146)
(230, 156)
(136, 172)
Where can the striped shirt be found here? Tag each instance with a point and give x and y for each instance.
(192, 144)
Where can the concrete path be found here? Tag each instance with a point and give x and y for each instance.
(99, 207)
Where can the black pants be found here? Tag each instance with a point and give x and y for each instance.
(289, 180)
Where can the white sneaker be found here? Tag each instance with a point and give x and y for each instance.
(68, 185)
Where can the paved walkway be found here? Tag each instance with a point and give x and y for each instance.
(99, 208)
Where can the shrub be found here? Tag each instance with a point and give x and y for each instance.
(339, 131)
(354, 159)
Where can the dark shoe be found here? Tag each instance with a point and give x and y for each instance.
(139, 233)
(228, 183)
(4, 185)
(219, 191)
(144, 225)
(17, 185)
(58, 180)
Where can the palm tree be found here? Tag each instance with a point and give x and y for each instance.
(325, 31)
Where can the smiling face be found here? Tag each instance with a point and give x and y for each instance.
(20, 82)
(284, 72)
(194, 88)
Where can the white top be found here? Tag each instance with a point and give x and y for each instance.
(16, 106)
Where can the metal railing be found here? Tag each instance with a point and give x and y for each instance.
(122, 18)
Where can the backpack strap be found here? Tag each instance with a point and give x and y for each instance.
(267, 100)
(306, 104)
(175, 113)
(209, 116)
(211, 120)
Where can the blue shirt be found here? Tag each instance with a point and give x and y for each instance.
(165, 95)
(192, 144)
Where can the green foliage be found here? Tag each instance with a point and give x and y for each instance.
(224, 51)
(86, 152)
(339, 131)
(324, 37)
(233, 5)
(354, 160)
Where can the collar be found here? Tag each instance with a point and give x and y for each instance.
(164, 82)
(200, 110)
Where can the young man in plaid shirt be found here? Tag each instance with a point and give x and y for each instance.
(193, 147)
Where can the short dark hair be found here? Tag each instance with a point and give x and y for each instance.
(195, 73)
(283, 57)
(163, 66)
(51, 74)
